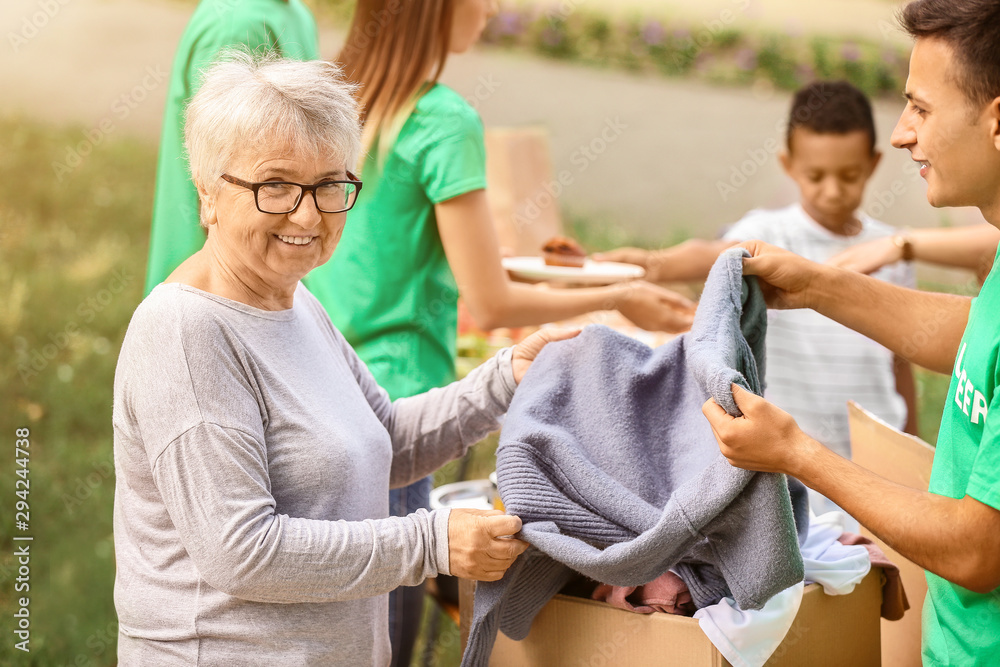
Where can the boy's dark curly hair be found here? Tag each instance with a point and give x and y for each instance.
(830, 107)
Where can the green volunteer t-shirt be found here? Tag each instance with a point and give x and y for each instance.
(287, 27)
(389, 288)
(961, 627)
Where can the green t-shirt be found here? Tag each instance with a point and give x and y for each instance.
(961, 627)
(287, 27)
(389, 288)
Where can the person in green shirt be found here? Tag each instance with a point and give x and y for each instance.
(421, 234)
(285, 26)
(951, 126)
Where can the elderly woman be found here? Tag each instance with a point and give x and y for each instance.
(253, 450)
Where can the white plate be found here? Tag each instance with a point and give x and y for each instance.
(592, 273)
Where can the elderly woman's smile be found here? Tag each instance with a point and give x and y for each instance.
(296, 240)
(270, 155)
(267, 222)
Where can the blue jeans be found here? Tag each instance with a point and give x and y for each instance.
(406, 603)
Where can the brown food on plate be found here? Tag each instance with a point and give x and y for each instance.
(562, 251)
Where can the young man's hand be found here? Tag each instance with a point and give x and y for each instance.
(787, 280)
(765, 438)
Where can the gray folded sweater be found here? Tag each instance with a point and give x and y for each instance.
(615, 473)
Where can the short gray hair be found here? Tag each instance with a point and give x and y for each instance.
(249, 103)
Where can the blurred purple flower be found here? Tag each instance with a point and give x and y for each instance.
(507, 24)
(890, 57)
(850, 52)
(704, 62)
(805, 73)
(653, 33)
(746, 60)
(551, 37)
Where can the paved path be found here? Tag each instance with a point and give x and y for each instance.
(649, 153)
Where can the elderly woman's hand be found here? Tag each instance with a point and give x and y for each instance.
(526, 351)
(478, 544)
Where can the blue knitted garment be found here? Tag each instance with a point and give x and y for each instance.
(606, 457)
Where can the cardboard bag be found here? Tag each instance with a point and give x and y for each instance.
(523, 194)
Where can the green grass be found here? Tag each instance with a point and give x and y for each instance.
(931, 391)
(72, 256)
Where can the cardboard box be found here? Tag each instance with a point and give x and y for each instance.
(518, 163)
(829, 630)
(906, 460)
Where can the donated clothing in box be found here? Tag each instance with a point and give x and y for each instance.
(829, 630)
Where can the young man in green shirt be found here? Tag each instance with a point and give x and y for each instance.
(951, 126)
(283, 25)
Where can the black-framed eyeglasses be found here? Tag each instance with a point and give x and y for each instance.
(281, 197)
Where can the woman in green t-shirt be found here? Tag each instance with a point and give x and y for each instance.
(422, 234)
(284, 26)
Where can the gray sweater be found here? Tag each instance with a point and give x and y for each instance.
(606, 457)
(253, 457)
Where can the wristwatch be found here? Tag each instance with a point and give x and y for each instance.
(902, 241)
